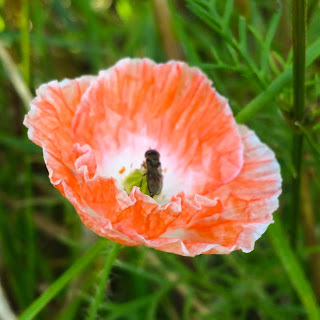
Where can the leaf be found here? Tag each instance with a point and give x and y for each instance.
(275, 55)
(202, 13)
(269, 37)
(275, 87)
(233, 55)
(215, 54)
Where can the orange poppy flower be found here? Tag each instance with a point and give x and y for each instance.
(220, 183)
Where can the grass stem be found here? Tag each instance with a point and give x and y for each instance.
(299, 58)
(94, 308)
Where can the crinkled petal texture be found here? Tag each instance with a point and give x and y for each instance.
(220, 183)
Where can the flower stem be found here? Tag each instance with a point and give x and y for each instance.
(299, 57)
(103, 281)
(296, 186)
(74, 271)
(27, 218)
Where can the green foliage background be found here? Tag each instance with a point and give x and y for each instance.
(245, 47)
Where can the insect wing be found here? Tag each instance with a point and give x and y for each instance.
(154, 181)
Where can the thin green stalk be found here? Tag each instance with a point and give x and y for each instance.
(299, 56)
(29, 234)
(263, 99)
(215, 23)
(75, 270)
(103, 281)
(73, 301)
(299, 47)
(9, 253)
(311, 238)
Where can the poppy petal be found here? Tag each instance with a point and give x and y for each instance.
(249, 200)
(139, 105)
(221, 184)
(49, 122)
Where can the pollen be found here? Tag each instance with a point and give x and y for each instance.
(122, 170)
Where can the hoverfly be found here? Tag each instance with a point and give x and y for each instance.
(154, 172)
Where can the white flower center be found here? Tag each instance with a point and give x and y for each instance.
(119, 163)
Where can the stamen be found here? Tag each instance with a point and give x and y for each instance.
(122, 170)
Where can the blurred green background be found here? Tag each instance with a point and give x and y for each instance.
(245, 47)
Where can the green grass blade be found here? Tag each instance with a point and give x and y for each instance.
(215, 54)
(9, 254)
(243, 34)
(125, 307)
(269, 37)
(227, 12)
(202, 13)
(294, 271)
(21, 145)
(74, 271)
(265, 97)
(29, 233)
(27, 218)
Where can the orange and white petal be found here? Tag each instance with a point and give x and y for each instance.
(221, 183)
(218, 223)
(248, 201)
(139, 105)
(49, 122)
